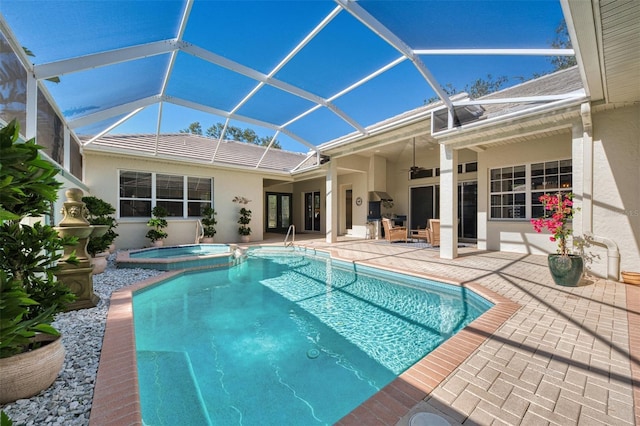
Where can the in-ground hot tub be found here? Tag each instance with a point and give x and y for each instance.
(189, 256)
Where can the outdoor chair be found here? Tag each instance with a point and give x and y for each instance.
(394, 233)
(433, 232)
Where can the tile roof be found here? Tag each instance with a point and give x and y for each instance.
(202, 149)
(563, 81)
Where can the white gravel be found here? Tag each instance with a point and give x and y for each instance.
(68, 400)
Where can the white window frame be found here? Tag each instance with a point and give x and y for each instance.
(185, 200)
(528, 189)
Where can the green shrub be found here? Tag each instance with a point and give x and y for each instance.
(100, 213)
(158, 223)
(30, 294)
(209, 222)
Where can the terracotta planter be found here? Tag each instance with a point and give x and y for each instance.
(207, 240)
(28, 373)
(112, 248)
(157, 243)
(245, 238)
(566, 270)
(629, 277)
(99, 262)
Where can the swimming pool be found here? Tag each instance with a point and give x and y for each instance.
(284, 338)
(180, 257)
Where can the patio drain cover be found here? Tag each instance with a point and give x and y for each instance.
(427, 419)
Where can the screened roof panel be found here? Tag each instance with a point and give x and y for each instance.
(113, 56)
(452, 69)
(199, 81)
(321, 125)
(258, 34)
(79, 94)
(370, 103)
(274, 106)
(68, 29)
(469, 23)
(97, 127)
(332, 62)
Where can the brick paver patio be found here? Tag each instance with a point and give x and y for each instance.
(546, 355)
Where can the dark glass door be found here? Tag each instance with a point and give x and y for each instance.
(425, 205)
(279, 207)
(468, 210)
(312, 211)
(348, 207)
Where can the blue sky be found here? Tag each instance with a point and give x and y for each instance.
(259, 34)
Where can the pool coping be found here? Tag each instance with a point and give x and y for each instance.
(116, 399)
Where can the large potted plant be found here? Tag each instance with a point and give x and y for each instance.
(157, 223)
(99, 212)
(209, 223)
(566, 268)
(245, 218)
(31, 352)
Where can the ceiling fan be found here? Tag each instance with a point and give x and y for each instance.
(415, 168)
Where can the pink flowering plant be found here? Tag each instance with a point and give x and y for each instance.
(558, 211)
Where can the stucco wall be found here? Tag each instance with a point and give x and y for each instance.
(616, 181)
(101, 176)
(357, 182)
(515, 235)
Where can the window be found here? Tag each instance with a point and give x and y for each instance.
(468, 167)
(508, 193)
(551, 176)
(420, 173)
(514, 190)
(141, 191)
(170, 194)
(135, 194)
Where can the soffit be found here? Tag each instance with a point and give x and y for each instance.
(606, 36)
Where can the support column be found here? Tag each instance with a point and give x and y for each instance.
(448, 202)
(331, 203)
(31, 108)
(67, 149)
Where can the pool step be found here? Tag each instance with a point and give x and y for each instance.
(169, 393)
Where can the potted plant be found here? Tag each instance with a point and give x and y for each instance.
(31, 352)
(566, 268)
(244, 230)
(245, 218)
(208, 224)
(157, 223)
(99, 212)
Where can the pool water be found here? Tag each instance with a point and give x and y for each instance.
(284, 339)
(180, 251)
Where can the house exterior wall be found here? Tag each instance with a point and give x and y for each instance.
(101, 176)
(357, 182)
(616, 183)
(515, 235)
